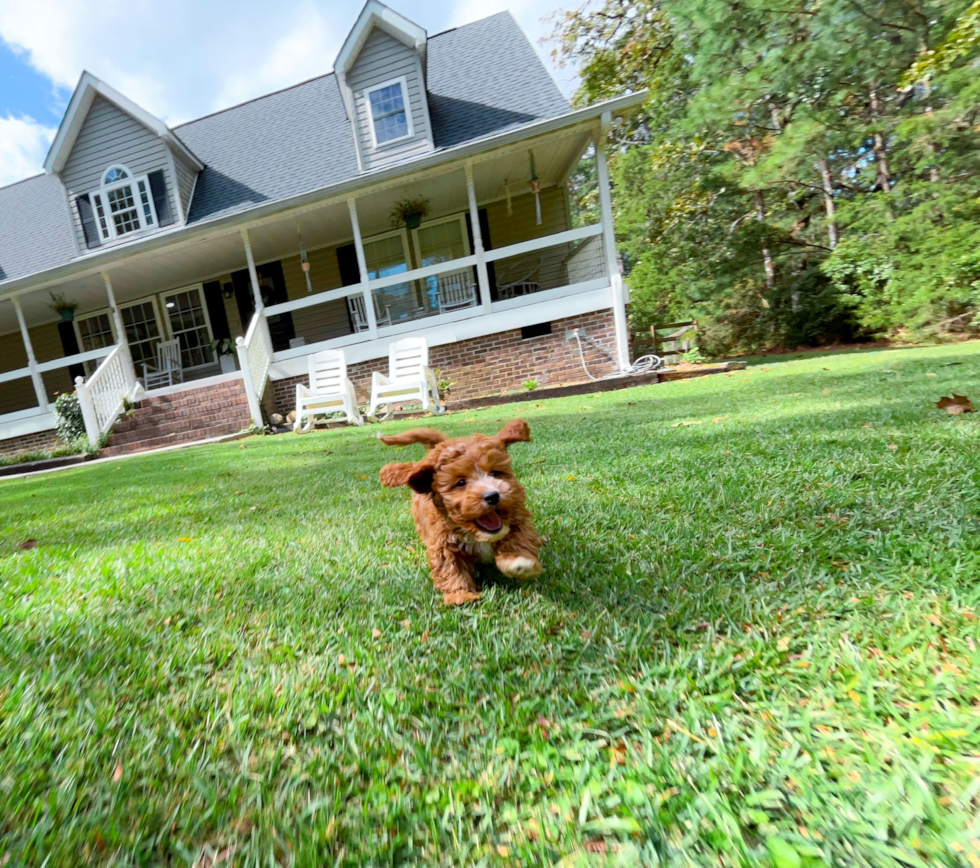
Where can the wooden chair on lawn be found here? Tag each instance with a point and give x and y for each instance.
(329, 392)
(168, 371)
(409, 379)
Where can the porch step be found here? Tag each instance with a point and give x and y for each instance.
(215, 410)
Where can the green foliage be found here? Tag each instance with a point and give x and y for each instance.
(529, 385)
(404, 210)
(757, 624)
(68, 418)
(810, 156)
(445, 383)
(59, 303)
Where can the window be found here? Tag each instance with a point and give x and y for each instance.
(442, 241)
(387, 255)
(391, 117)
(189, 324)
(123, 204)
(94, 332)
(142, 332)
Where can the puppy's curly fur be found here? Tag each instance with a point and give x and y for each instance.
(468, 506)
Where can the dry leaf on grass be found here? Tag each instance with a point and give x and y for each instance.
(594, 846)
(27, 545)
(117, 772)
(956, 405)
(375, 634)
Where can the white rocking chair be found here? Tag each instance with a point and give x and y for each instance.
(329, 392)
(518, 276)
(456, 291)
(409, 379)
(168, 370)
(358, 316)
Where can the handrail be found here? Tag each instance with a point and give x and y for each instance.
(423, 273)
(541, 243)
(77, 359)
(103, 396)
(255, 357)
(317, 298)
(19, 374)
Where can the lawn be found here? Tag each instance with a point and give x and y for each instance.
(755, 641)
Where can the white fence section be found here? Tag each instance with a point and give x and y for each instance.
(255, 357)
(103, 396)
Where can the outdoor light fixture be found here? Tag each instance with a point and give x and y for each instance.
(228, 290)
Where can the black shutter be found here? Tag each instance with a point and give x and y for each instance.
(487, 245)
(243, 296)
(273, 283)
(350, 273)
(87, 215)
(216, 310)
(69, 343)
(161, 201)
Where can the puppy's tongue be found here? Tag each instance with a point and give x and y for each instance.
(489, 522)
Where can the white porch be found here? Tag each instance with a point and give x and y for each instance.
(443, 281)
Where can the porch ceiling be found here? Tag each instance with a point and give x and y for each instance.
(194, 260)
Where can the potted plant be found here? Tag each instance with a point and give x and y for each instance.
(410, 211)
(226, 350)
(61, 305)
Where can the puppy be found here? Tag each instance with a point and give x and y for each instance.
(468, 506)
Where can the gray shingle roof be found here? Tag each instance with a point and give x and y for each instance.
(484, 78)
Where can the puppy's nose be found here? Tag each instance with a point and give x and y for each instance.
(492, 497)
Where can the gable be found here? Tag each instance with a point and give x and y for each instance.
(107, 137)
(385, 59)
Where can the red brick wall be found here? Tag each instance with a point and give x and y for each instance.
(42, 441)
(493, 364)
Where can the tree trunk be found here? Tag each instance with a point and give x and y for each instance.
(878, 147)
(828, 201)
(760, 215)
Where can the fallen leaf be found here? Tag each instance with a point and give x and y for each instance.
(185, 539)
(117, 773)
(783, 644)
(598, 846)
(166, 622)
(956, 405)
(867, 425)
(375, 633)
(893, 446)
(27, 545)
(342, 660)
(931, 374)
(502, 851)
(361, 477)
(825, 392)
(406, 623)
(425, 636)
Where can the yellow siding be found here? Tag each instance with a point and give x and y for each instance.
(319, 322)
(19, 394)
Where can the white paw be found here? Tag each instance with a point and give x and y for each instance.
(519, 567)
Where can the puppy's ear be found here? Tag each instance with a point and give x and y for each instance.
(417, 476)
(514, 432)
(428, 437)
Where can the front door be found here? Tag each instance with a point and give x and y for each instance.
(94, 332)
(272, 285)
(142, 332)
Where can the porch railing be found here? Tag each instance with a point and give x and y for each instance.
(103, 396)
(255, 358)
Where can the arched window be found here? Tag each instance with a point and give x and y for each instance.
(123, 203)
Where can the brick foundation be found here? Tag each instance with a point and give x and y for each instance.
(493, 364)
(41, 441)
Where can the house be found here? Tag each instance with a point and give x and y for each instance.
(270, 224)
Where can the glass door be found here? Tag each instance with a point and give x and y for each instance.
(142, 332)
(187, 317)
(386, 255)
(443, 241)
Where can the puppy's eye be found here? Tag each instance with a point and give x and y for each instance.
(461, 483)
(496, 474)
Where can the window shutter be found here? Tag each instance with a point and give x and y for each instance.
(161, 201)
(216, 310)
(350, 273)
(87, 216)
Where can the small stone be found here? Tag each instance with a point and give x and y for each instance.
(276, 419)
(291, 417)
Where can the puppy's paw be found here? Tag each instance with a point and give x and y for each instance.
(519, 567)
(458, 598)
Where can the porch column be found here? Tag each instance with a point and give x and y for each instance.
(609, 246)
(372, 319)
(39, 391)
(482, 277)
(252, 273)
(121, 335)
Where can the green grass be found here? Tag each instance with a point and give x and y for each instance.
(755, 642)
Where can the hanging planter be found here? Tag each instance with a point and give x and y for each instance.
(411, 212)
(60, 305)
(535, 188)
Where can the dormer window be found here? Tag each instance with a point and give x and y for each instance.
(123, 204)
(391, 117)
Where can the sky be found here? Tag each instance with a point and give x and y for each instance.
(181, 59)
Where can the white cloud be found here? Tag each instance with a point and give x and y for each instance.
(24, 144)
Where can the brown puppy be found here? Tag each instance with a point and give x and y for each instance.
(468, 506)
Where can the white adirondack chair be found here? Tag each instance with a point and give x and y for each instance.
(456, 291)
(409, 379)
(355, 303)
(168, 370)
(329, 391)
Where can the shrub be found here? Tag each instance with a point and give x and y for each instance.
(68, 417)
(529, 385)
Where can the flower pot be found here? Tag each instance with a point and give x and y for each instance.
(227, 363)
(67, 315)
(413, 221)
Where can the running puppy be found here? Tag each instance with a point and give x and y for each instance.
(468, 506)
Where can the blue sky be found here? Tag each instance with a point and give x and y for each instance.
(180, 59)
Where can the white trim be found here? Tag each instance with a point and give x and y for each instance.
(542, 242)
(25, 422)
(173, 172)
(16, 374)
(100, 202)
(545, 295)
(402, 82)
(77, 359)
(439, 161)
(86, 90)
(459, 217)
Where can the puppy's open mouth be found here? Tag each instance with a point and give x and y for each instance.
(490, 522)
